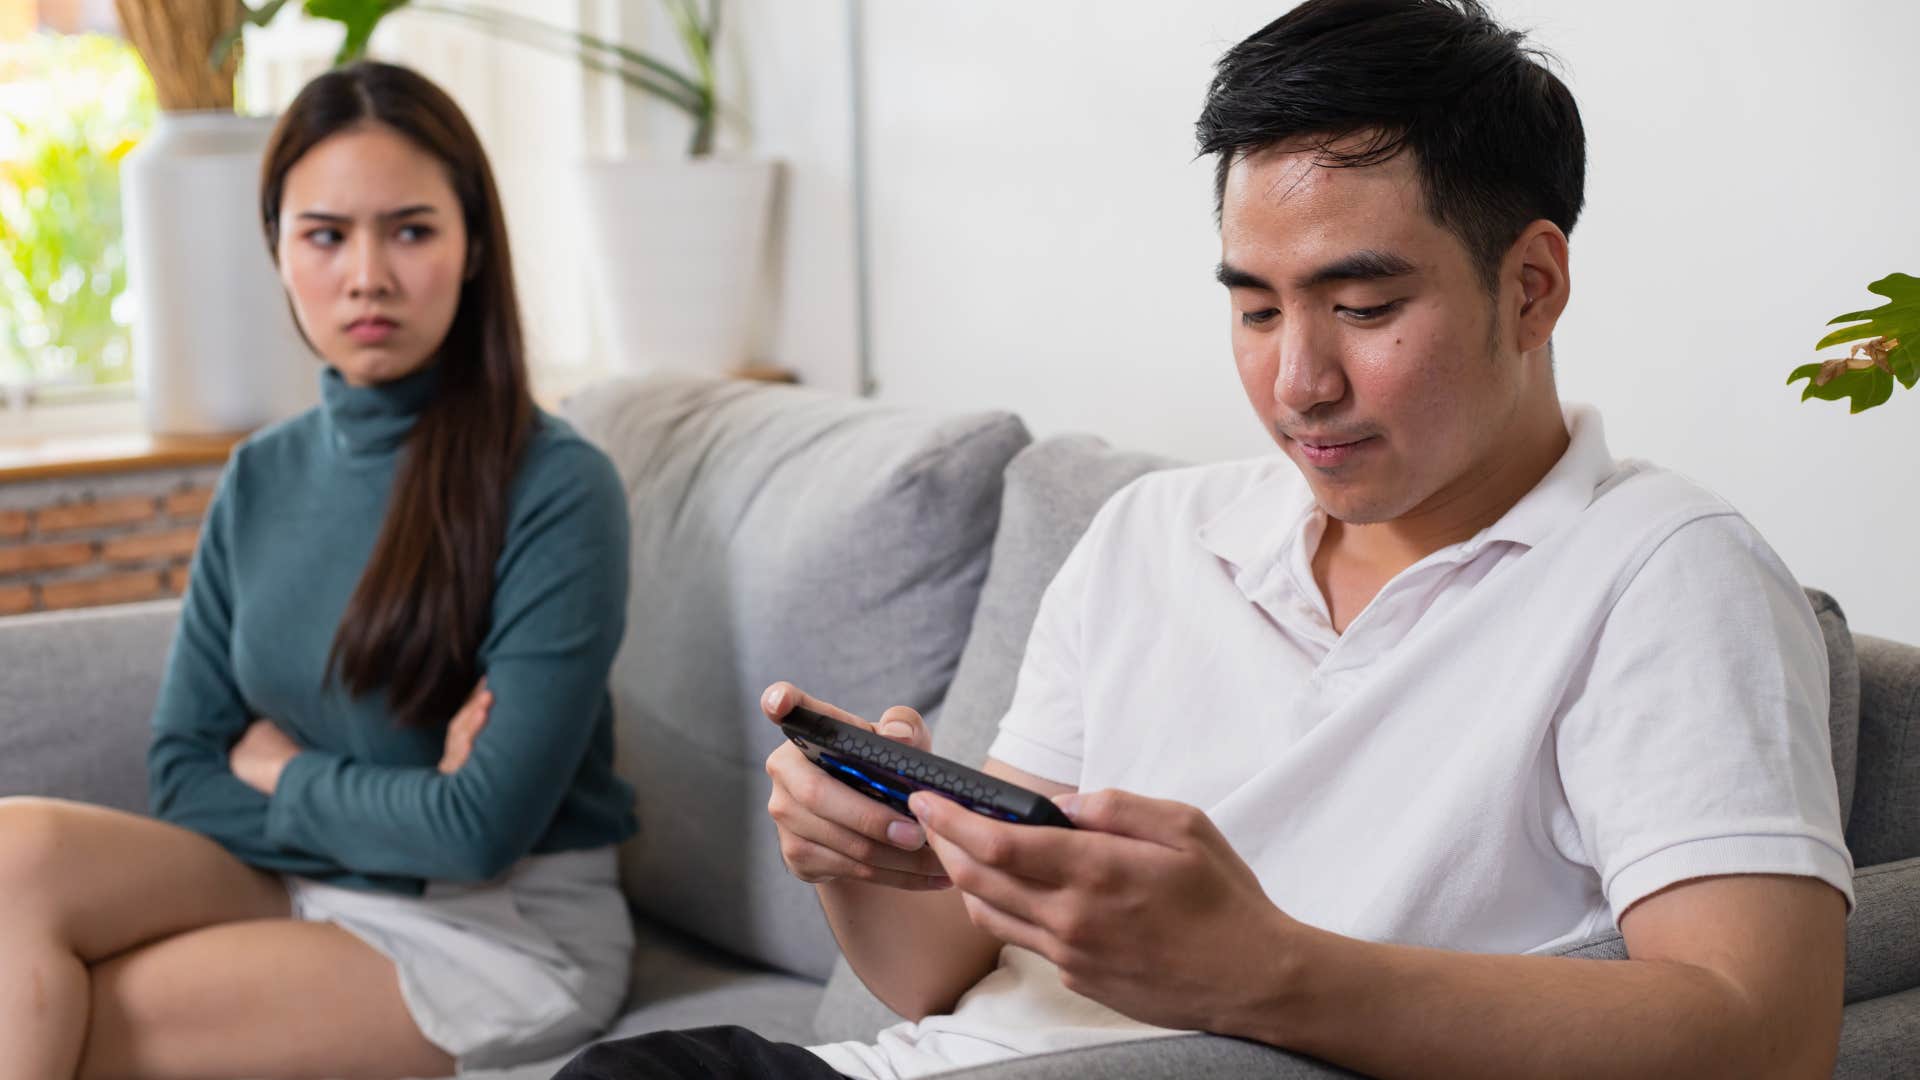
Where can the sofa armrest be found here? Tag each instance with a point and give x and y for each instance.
(1883, 936)
(76, 700)
(1162, 1056)
(1880, 1038)
(1885, 826)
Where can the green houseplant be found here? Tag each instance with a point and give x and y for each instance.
(1886, 349)
(693, 92)
(673, 242)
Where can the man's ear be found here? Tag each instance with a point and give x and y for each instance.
(1537, 262)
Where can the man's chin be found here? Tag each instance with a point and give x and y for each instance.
(1353, 508)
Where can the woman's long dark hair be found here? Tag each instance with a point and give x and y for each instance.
(423, 606)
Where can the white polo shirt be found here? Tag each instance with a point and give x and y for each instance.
(1615, 687)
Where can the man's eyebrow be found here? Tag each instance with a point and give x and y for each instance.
(1235, 278)
(388, 215)
(1365, 265)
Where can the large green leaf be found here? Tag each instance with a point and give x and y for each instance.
(359, 17)
(1888, 348)
(1865, 387)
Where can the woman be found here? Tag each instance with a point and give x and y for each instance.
(343, 880)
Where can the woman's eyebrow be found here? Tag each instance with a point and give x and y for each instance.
(414, 210)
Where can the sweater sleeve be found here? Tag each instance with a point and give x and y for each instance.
(200, 714)
(559, 611)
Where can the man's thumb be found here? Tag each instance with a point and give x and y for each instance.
(904, 725)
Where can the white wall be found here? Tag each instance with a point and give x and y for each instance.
(1041, 240)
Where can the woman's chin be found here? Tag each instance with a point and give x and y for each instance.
(370, 367)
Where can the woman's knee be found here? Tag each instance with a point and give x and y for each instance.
(33, 833)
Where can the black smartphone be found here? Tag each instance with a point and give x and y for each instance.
(888, 772)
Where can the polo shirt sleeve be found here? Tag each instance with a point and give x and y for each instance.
(1694, 742)
(1044, 729)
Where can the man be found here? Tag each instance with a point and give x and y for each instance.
(1352, 731)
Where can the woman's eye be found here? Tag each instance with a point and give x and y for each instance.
(1258, 318)
(1368, 314)
(411, 233)
(324, 237)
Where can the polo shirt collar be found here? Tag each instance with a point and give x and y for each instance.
(1565, 492)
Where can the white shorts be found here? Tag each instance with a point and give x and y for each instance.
(523, 967)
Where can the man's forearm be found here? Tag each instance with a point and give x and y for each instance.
(1400, 1011)
(916, 951)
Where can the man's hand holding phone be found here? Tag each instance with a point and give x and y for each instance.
(830, 832)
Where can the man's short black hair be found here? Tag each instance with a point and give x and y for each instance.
(1495, 135)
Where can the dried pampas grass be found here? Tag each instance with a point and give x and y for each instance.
(176, 39)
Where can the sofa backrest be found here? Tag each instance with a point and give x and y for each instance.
(1886, 799)
(76, 700)
(778, 533)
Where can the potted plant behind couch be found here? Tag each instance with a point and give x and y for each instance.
(208, 317)
(673, 244)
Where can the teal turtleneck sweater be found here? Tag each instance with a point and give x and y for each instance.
(289, 532)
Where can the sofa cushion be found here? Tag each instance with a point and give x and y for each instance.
(76, 701)
(1883, 936)
(1880, 1038)
(778, 533)
(1886, 801)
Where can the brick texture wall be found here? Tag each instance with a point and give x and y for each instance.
(107, 539)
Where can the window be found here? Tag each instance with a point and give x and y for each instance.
(71, 106)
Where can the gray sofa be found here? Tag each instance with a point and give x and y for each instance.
(876, 556)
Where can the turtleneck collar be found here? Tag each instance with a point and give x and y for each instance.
(375, 420)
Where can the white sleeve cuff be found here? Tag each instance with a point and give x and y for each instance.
(1033, 757)
(1718, 856)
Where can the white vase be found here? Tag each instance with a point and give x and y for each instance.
(215, 348)
(679, 260)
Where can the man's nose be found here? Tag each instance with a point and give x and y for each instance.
(1308, 373)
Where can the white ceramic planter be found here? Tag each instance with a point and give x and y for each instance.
(214, 346)
(679, 254)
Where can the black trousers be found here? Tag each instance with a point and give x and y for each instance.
(709, 1053)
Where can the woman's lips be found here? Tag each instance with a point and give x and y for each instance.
(371, 331)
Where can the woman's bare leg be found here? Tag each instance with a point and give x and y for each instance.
(79, 884)
(268, 1000)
